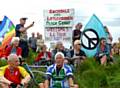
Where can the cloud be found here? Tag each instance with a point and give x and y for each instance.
(108, 11)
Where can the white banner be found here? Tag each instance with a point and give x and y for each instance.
(58, 18)
(58, 34)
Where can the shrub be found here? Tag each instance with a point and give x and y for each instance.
(3, 62)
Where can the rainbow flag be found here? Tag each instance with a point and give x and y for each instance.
(7, 31)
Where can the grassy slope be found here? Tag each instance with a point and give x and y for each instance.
(90, 74)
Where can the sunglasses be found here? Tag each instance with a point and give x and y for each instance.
(104, 41)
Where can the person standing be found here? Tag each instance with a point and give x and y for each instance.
(77, 32)
(21, 32)
(20, 29)
(39, 42)
(109, 39)
(32, 42)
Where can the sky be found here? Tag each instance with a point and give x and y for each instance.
(108, 11)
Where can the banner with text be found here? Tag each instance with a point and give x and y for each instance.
(58, 18)
(58, 34)
(58, 25)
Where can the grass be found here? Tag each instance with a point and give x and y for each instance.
(92, 75)
(89, 74)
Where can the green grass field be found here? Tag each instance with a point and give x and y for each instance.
(89, 74)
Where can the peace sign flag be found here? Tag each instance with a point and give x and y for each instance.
(7, 31)
(92, 32)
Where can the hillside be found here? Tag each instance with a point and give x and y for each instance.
(89, 74)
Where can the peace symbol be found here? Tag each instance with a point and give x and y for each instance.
(91, 37)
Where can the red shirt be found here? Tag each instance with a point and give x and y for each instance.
(41, 54)
(9, 48)
(14, 77)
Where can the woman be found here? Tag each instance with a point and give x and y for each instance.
(103, 54)
(14, 48)
(44, 55)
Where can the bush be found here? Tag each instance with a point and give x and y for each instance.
(93, 79)
(3, 62)
(93, 75)
(31, 57)
(89, 64)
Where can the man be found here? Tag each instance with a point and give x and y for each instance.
(20, 29)
(32, 42)
(39, 42)
(13, 75)
(59, 75)
(21, 32)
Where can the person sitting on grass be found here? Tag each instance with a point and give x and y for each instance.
(103, 55)
(59, 48)
(59, 75)
(76, 54)
(14, 48)
(13, 75)
(44, 56)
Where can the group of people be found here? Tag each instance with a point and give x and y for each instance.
(116, 47)
(14, 76)
(60, 73)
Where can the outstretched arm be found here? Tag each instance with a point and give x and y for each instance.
(23, 29)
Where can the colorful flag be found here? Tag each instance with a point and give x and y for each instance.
(7, 31)
(92, 32)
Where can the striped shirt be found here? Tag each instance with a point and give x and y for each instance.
(59, 80)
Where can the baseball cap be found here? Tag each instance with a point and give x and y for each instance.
(24, 18)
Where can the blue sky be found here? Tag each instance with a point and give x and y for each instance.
(108, 11)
